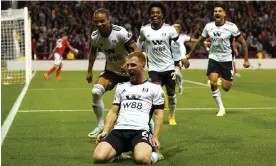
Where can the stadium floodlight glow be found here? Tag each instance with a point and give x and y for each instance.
(16, 53)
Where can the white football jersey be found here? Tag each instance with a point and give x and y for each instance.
(179, 50)
(158, 46)
(221, 40)
(113, 46)
(137, 103)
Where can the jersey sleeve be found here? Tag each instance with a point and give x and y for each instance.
(93, 39)
(182, 48)
(66, 43)
(142, 35)
(158, 98)
(174, 34)
(235, 31)
(141, 39)
(117, 97)
(125, 36)
(205, 32)
(186, 38)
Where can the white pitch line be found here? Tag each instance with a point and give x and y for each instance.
(197, 83)
(179, 109)
(8, 122)
(49, 89)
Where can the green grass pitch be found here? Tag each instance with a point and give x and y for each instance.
(43, 134)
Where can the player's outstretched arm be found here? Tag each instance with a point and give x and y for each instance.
(241, 40)
(197, 44)
(159, 116)
(194, 40)
(185, 62)
(52, 53)
(92, 57)
(75, 51)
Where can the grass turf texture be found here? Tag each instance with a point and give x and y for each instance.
(242, 137)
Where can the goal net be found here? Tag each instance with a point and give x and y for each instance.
(16, 52)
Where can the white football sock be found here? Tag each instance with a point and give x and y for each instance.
(154, 157)
(97, 103)
(172, 105)
(179, 77)
(217, 96)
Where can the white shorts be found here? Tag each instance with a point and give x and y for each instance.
(58, 59)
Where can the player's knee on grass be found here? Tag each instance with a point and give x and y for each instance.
(142, 159)
(103, 153)
(142, 153)
(97, 92)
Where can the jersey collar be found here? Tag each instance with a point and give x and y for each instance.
(156, 28)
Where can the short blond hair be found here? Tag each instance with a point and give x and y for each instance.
(141, 57)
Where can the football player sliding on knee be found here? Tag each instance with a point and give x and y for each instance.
(115, 42)
(220, 54)
(134, 104)
(58, 51)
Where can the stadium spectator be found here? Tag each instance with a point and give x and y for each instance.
(252, 17)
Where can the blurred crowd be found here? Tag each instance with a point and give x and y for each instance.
(256, 20)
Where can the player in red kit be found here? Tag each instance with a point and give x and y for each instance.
(58, 51)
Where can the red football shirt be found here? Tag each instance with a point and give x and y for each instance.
(61, 45)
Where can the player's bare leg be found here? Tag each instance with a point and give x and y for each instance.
(216, 93)
(103, 153)
(46, 75)
(143, 154)
(58, 72)
(226, 85)
(171, 103)
(218, 82)
(98, 105)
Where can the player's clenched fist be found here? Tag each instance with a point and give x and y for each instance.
(89, 77)
(246, 64)
(185, 62)
(100, 137)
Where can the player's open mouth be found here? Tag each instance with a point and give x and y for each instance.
(217, 17)
(131, 74)
(155, 18)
